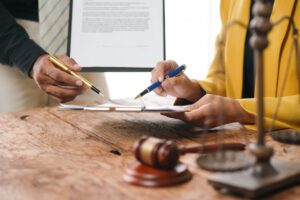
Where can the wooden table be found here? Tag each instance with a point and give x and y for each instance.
(51, 154)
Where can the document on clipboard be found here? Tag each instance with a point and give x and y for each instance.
(124, 108)
(117, 35)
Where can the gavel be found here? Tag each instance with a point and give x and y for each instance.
(164, 154)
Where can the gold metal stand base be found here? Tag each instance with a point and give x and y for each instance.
(246, 184)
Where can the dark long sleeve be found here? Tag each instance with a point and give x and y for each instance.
(16, 48)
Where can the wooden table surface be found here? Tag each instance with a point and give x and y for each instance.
(51, 154)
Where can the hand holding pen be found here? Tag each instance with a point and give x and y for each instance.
(156, 84)
(62, 66)
(178, 85)
(58, 84)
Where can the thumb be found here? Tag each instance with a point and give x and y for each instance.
(198, 104)
(201, 102)
(192, 107)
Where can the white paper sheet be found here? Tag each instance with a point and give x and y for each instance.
(124, 108)
(117, 33)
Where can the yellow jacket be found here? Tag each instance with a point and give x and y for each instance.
(227, 81)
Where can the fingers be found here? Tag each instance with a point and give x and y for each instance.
(212, 111)
(198, 117)
(70, 62)
(202, 117)
(60, 76)
(75, 68)
(203, 113)
(58, 84)
(208, 98)
(179, 86)
(160, 91)
(171, 85)
(63, 94)
(159, 73)
(63, 77)
(161, 70)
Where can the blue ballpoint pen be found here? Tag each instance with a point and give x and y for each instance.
(171, 74)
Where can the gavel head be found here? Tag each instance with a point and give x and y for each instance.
(156, 152)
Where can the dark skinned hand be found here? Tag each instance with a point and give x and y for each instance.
(56, 83)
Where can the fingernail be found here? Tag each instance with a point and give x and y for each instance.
(79, 83)
(160, 79)
(77, 67)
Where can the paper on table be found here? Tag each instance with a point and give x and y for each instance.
(108, 107)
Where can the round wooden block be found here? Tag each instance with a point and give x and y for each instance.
(143, 175)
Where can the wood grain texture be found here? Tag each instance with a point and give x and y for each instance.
(50, 154)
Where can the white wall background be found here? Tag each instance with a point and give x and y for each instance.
(191, 28)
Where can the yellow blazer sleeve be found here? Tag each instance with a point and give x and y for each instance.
(288, 113)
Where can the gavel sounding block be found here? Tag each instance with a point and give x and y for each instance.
(143, 175)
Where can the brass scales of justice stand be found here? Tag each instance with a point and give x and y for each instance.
(266, 175)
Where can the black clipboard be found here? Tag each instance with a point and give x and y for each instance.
(115, 68)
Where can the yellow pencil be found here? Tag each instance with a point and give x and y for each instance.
(65, 68)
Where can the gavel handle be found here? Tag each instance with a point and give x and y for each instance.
(209, 148)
